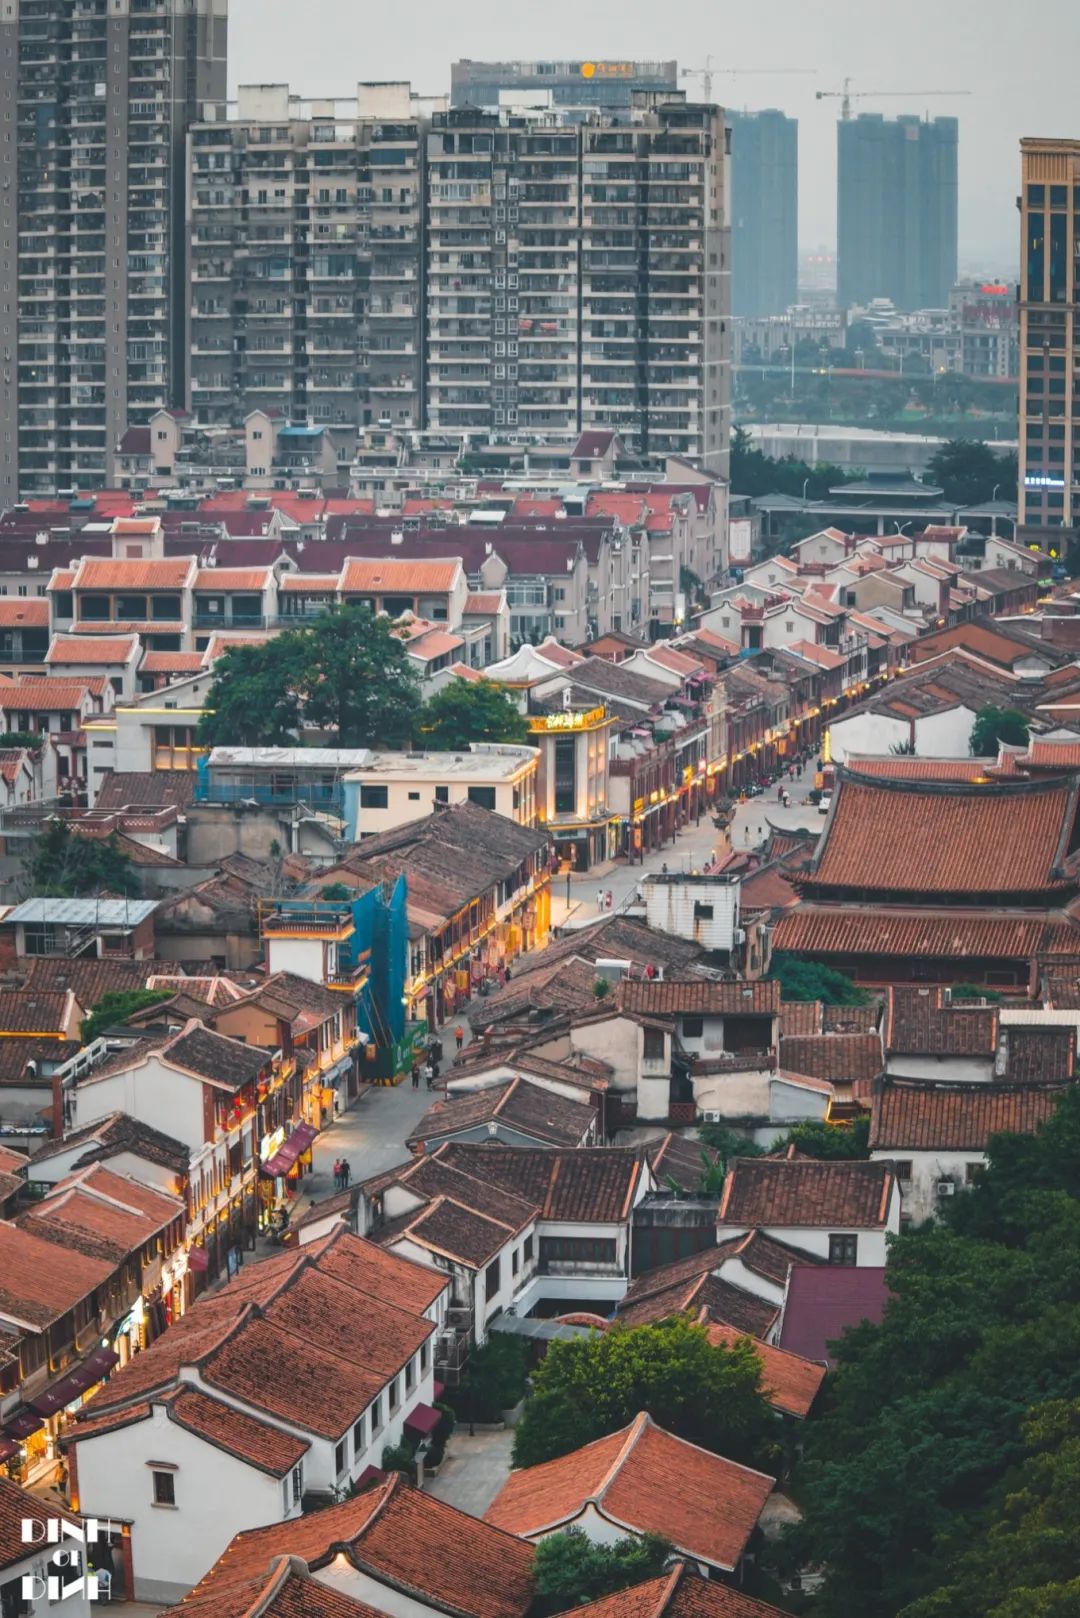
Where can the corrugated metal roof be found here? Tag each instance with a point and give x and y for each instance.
(84, 912)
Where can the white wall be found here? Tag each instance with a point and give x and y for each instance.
(217, 1495)
(304, 956)
(669, 907)
(40, 1567)
(921, 1200)
(157, 1095)
(942, 735)
(734, 1095)
(942, 1069)
(616, 1041)
(815, 1239)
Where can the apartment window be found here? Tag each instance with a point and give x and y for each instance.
(527, 1249)
(653, 1049)
(410, 1376)
(903, 1167)
(394, 1395)
(843, 1249)
(491, 1279)
(702, 912)
(423, 1358)
(297, 1483)
(577, 1250)
(693, 1027)
(515, 1260)
(376, 1415)
(483, 796)
(442, 794)
(972, 1172)
(164, 1488)
(374, 797)
(340, 1457)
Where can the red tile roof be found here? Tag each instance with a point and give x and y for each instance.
(263, 1446)
(678, 997)
(396, 576)
(644, 1480)
(278, 1592)
(920, 769)
(910, 1117)
(806, 1193)
(16, 1505)
(790, 1383)
(679, 1593)
(232, 578)
(40, 1281)
(44, 696)
(591, 1184)
(103, 573)
(942, 935)
(416, 1545)
(841, 1058)
(31, 612)
(72, 649)
(919, 1022)
(935, 838)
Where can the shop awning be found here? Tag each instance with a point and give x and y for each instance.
(423, 1419)
(8, 1448)
(23, 1424)
(69, 1387)
(286, 1154)
(370, 1474)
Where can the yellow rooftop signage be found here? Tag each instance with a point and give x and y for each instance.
(568, 720)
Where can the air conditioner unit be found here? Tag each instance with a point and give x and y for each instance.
(945, 1188)
(712, 1117)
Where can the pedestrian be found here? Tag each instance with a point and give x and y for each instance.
(416, 1075)
(429, 1075)
(509, 974)
(599, 898)
(663, 869)
(610, 900)
(337, 1174)
(459, 1036)
(346, 1173)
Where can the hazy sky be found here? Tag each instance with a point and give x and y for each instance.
(322, 47)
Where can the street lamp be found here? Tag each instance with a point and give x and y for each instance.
(805, 485)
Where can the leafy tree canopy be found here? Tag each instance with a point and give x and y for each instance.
(836, 1141)
(806, 980)
(969, 471)
(467, 711)
(950, 1430)
(594, 1385)
(569, 1569)
(755, 473)
(995, 725)
(60, 864)
(117, 1007)
(348, 672)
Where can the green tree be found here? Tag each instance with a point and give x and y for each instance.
(594, 1385)
(834, 1141)
(1029, 1560)
(995, 725)
(727, 1142)
(938, 1417)
(568, 1568)
(116, 1007)
(494, 1379)
(467, 711)
(254, 701)
(347, 672)
(807, 980)
(968, 471)
(61, 864)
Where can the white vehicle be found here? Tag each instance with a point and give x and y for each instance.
(823, 803)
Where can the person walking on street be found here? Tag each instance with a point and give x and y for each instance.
(429, 1075)
(416, 1075)
(337, 1174)
(459, 1037)
(346, 1173)
(599, 898)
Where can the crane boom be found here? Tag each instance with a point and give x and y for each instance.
(847, 95)
(708, 72)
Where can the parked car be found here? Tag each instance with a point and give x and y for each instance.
(823, 803)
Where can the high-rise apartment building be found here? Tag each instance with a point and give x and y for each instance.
(1049, 333)
(98, 98)
(305, 260)
(606, 86)
(764, 212)
(578, 276)
(896, 210)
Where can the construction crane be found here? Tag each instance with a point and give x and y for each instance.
(847, 95)
(708, 72)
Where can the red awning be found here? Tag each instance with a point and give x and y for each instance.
(8, 1448)
(370, 1474)
(423, 1419)
(84, 1376)
(198, 1259)
(23, 1424)
(286, 1155)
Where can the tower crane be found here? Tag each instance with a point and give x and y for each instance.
(847, 95)
(707, 72)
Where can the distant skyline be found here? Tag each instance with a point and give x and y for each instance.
(326, 46)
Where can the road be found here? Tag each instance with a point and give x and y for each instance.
(372, 1134)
